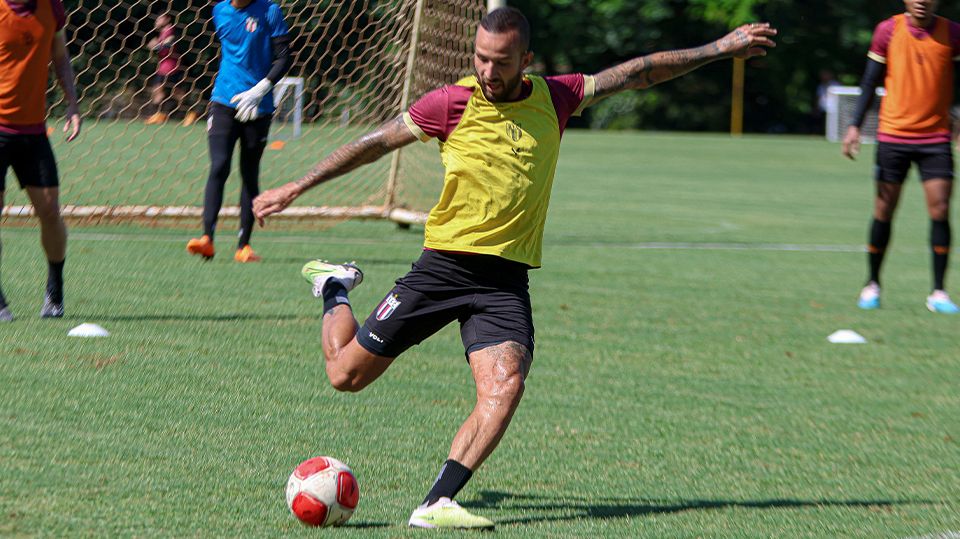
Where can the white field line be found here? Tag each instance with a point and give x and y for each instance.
(661, 246)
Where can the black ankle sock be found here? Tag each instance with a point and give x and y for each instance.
(334, 294)
(940, 246)
(55, 281)
(880, 232)
(453, 476)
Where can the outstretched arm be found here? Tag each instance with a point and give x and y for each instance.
(745, 42)
(366, 149)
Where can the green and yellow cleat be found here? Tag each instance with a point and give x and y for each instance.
(446, 514)
(318, 272)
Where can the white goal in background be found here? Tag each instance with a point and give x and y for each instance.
(841, 103)
(288, 118)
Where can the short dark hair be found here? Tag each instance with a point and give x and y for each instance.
(504, 19)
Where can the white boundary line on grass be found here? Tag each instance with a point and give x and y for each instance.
(657, 246)
(719, 246)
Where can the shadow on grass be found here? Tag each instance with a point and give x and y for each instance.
(365, 525)
(574, 508)
(229, 317)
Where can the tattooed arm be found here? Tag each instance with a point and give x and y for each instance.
(366, 149)
(745, 42)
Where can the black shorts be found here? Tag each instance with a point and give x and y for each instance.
(31, 158)
(488, 295)
(167, 81)
(894, 160)
(223, 125)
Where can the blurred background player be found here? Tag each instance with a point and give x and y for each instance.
(913, 54)
(166, 91)
(31, 36)
(254, 55)
(500, 134)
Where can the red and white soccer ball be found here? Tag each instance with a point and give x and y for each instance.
(322, 491)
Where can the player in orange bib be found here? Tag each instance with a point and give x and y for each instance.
(31, 37)
(913, 55)
(499, 136)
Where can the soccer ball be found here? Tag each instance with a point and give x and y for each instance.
(322, 491)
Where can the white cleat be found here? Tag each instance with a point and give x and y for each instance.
(939, 302)
(6, 315)
(51, 309)
(869, 297)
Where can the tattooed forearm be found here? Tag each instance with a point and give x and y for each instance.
(366, 149)
(745, 42)
(647, 71)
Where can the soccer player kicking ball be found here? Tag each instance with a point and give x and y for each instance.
(499, 133)
(913, 54)
(254, 55)
(31, 36)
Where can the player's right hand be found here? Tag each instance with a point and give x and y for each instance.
(748, 41)
(274, 200)
(851, 142)
(73, 123)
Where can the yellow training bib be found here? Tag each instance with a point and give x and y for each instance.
(500, 161)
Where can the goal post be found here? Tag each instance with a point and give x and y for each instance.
(356, 64)
(841, 103)
(288, 101)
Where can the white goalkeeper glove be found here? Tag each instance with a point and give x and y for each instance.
(248, 103)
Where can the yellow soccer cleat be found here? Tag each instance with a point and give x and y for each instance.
(318, 272)
(447, 514)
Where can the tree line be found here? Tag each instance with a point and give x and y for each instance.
(815, 36)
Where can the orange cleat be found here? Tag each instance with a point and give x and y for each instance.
(202, 246)
(189, 119)
(156, 119)
(246, 254)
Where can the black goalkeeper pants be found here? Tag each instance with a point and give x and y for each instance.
(223, 132)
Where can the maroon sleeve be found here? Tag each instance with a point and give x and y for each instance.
(438, 113)
(881, 38)
(59, 14)
(566, 91)
(955, 38)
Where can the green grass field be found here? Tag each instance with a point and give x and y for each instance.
(682, 386)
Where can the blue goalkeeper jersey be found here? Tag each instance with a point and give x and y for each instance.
(245, 50)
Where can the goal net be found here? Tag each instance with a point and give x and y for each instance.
(841, 104)
(356, 64)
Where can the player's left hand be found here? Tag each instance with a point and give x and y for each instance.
(248, 103)
(275, 200)
(748, 40)
(72, 126)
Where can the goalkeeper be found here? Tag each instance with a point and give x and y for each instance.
(500, 131)
(254, 55)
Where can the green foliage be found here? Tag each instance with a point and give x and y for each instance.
(815, 35)
(732, 12)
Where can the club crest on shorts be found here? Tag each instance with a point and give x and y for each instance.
(252, 24)
(386, 308)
